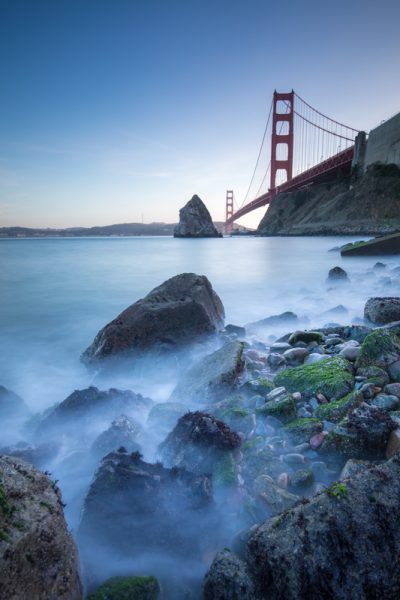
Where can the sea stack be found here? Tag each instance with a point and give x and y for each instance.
(195, 221)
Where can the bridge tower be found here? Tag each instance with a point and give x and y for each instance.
(229, 210)
(282, 133)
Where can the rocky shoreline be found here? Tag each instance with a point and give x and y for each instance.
(284, 451)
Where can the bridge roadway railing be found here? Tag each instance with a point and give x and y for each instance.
(323, 170)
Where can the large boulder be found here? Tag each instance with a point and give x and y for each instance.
(387, 244)
(176, 312)
(38, 558)
(195, 221)
(381, 348)
(382, 310)
(213, 376)
(133, 508)
(342, 543)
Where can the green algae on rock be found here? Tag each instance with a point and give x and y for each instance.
(381, 348)
(332, 377)
(127, 588)
(336, 410)
(283, 408)
(301, 430)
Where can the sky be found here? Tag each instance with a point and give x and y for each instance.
(115, 111)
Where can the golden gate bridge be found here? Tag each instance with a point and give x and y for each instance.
(322, 149)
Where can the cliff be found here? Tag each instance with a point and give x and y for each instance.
(370, 205)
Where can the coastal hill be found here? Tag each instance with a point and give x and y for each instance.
(369, 204)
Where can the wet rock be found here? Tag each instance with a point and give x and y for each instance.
(295, 356)
(288, 319)
(289, 557)
(213, 377)
(178, 311)
(350, 352)
(363, 434)
(280, 347)
(276, 360)
(392, 389)
(133, 508)
(195, 221)
(301, 430)
(38, 558)
(282, 406)
(374, 375)
(394, 371)
(306, 336)
(198, 442)
(337, 274)
(123, 431)
(336, 410)
(164, 416)
(381, 348)
(317, 440)
(315, 357)
(84, 409)
(127, 588)
(228, 579)
(332, 377)
(12, 407)
(393, 445)
(259, 386)
(274, 497)
(382, 310)
(302, 478)
(353, 467)
(386, 402)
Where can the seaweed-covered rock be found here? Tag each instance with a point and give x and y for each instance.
(84, 409)
(198, 442)
(342, 543)
(195, 221)
(38, 558)
(363, 434)
(174, 313)
(213, 377)
(381, 348)
(127, 588)
(332, 377)
(382, 310)
(134, 507)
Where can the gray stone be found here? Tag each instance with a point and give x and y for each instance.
(394, 371)
(228, 579)
(350, 352)
(386, 402)
(382, 310)
(295, 356)
(280, 347)
(38, 558)
(180, 310)
(392, 389)
(195, 221)
(276, 360)
(337, 274)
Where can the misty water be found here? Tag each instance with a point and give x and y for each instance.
(57, 293)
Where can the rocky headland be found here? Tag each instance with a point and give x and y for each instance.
(273, 463)
(195, 221)
(369, 204)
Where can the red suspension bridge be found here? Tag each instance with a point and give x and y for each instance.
(321, 149)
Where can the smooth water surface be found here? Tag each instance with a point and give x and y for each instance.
(57, 293)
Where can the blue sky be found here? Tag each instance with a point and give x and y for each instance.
(120, 110)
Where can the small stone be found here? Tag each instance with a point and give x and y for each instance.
(293, 458)
(321, 398)
(350, 352)
(280, 347)
(315, 357)
(317, 439)
(394, 371)
(302, 478)
(393, 445)
(296, 356)
(296, 396)
(386, 402)
(392, 389)
(276, 393)
(276, 360)
(283, 480)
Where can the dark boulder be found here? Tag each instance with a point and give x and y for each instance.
(198, 442)
(228, 579)
(341, 544)
(387, 244)
(174, 313)
(38, 558)
(195, 221)
(382, 310)
(133, 508)
(85, 410)
(337, 274)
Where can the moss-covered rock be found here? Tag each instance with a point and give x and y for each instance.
(336, 410)
(127, 588)
(300, 430)
(332, 377)
(283, 408)
(225, 471)
(374, 375)
(306, 337)
(380, 348)
(259, 386)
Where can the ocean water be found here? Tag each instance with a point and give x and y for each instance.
(56, 293)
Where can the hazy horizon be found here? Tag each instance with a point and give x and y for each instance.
(118, 112)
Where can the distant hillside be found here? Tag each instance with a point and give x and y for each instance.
(121, 229)
(371, 205)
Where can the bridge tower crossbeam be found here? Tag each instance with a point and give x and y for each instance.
(228, 211)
